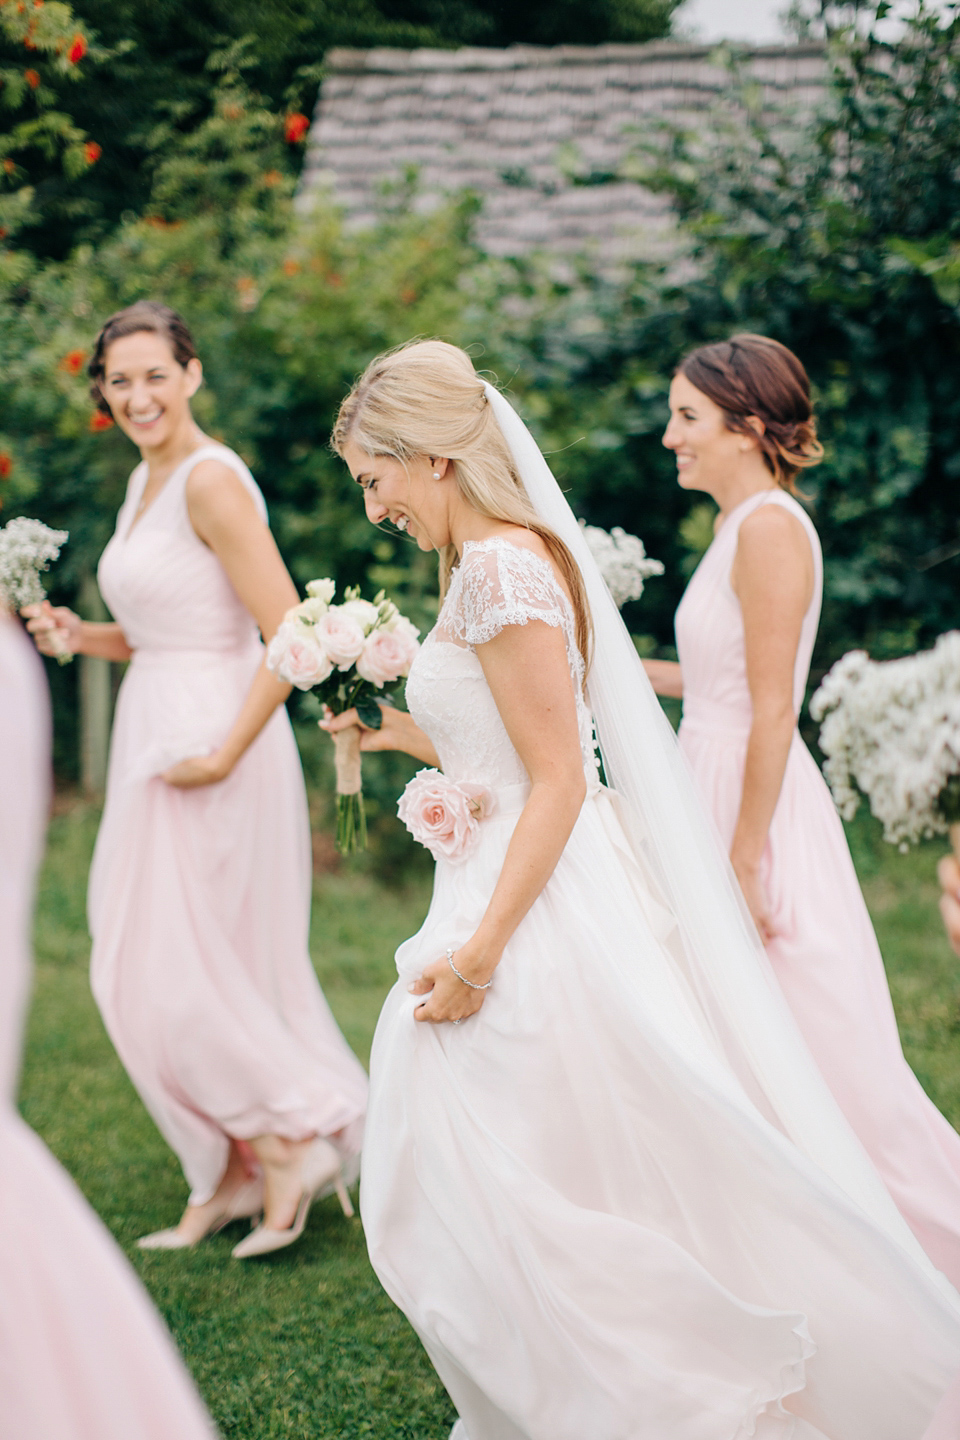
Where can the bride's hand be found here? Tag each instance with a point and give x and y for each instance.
(55, 629)
(392, 735)
(756, 897)
(447, 997)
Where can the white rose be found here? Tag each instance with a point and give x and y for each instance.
(365, 614)
(322, 590)
(341, 637)
(308, 612)
(296, 656)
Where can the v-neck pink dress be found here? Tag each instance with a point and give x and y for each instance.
(825, 952)
(199, 899)
(83, 1353)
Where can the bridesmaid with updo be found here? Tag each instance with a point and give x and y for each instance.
(742, 428)
(200, 889)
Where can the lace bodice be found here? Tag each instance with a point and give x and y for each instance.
(496, 584)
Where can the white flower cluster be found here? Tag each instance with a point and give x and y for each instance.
(622, 561)
(317, 637)
(26, 549)
(891, 731)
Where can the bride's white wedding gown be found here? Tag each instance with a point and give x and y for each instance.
(593, 1230)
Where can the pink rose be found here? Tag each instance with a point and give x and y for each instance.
(443, 814)
(387, 655)
(341, 637)
(295, 655)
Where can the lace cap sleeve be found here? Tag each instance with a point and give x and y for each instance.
(503, 584)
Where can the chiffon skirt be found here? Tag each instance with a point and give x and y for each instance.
(594, 1233)
(199, 910)
(83, 1355)
(827, 961)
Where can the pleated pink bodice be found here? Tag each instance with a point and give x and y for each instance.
(709, 627)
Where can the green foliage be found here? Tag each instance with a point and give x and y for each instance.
(838, 236)
(42, 50)
(165, 59)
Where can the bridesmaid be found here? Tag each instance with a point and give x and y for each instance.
(200, 887)
(742, 427)
(83, 1355)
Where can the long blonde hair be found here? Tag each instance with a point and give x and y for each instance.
(425, 398)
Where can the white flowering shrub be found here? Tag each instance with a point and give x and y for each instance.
(891, 731)
(622, 561)
(26, 549)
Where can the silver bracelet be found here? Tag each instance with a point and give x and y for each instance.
(456, 972)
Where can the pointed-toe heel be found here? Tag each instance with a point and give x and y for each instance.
(245, 1203)
(322, 1175)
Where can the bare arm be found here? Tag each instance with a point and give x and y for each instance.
(105, 640)
(223, 514)
(527, 671)
(948, 872)
(773, 580)
(666, 677)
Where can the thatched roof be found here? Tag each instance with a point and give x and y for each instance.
(509, 123)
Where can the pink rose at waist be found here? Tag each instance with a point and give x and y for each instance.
(387, 655)
(443, 815)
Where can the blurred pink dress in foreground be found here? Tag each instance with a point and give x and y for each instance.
(825, 953)
(200, 899)
(83, 1356)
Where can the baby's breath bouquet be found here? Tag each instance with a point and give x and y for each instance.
(891, 732)
(622, 561)
(347, 653)
(26, 550)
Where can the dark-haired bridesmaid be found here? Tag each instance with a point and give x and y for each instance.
(741, 428)
(200, 888)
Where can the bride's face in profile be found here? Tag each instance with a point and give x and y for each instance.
(414, 497)
(708, 454)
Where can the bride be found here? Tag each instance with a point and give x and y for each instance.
(602, 1177)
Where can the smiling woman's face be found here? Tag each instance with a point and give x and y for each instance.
(406, 495)
(708, 454)
(147, 390)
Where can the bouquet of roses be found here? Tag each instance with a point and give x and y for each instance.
(26, 550)
(891, 731)
(622, 561)
(347, 653)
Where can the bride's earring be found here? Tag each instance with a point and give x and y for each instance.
(436, 474)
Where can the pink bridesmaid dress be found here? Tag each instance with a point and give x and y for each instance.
(825, 953)
(83, 1354)
(199, 899)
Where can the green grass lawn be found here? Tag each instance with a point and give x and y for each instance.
(305, 1345)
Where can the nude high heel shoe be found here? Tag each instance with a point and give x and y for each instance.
(246, 1204)
(322, 1174)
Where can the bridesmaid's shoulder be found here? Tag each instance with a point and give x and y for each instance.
(773, 525)
(215, 488)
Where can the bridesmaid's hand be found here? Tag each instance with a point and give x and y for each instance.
(447, 998)
(55, 629)
(199, 770)
(756, 897)
(948, 873)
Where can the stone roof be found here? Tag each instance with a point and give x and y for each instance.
(507, 123)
